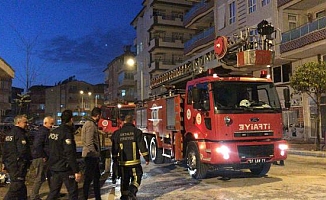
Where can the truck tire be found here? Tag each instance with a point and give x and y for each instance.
(155, 153)
(261, 170)
(146, 138)
(196, 169)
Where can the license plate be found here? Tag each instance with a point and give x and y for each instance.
(257, 160)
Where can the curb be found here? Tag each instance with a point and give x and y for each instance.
(307, 153)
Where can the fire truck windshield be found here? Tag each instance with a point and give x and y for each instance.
(114, 113)
(251, 96)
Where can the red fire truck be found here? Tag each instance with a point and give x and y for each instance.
(213, 118)
(213, 113)
(113, 115)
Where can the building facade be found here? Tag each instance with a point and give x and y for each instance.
(78, 96)
(300, 37)
(36, 107)
(160, 40)
(6, 76)
(303, 25)
(119, 78)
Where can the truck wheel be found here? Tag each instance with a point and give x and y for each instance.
(146, 141)
(196, 169)
(261, 169)
(155, 153)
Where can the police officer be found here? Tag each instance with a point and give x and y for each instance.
(62, 158)
(128, 143)
(17, 158)
(40, 154)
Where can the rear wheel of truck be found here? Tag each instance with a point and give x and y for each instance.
(196, 169)
(261, 170)
(155, 153)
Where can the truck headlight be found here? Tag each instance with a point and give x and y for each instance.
(224, 150)
(283, 148)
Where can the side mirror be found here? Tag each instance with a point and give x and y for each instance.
(286, 94)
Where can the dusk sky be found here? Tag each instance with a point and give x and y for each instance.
(66, 38)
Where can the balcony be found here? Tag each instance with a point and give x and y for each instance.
(168, 42)
(306, 34)
(200, 40)
(299, 4)
(126, 83)
(282, 2)
(197, 11)
(167, 20)
(165, 64)
(184, 2)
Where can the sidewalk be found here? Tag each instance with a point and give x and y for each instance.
(304, 148)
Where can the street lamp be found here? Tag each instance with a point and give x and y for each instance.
(82, 101)
(131, 62)
(96, 97)
(89, 94)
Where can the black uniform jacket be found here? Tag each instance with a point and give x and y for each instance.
(41, 143)
(62, 149)
(16, 151)
(127, 144)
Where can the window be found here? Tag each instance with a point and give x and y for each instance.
(123, 93)
(232, 12)
(292, 21)
(252, 6)
(265, 2)
(41, 106)
(282, 73)
(320, 14)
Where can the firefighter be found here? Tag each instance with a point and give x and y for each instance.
(128, 144)
(63, 159)
(17, 158)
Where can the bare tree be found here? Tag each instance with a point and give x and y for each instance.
(28, 46)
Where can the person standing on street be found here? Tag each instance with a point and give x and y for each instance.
(91, 154)
(128, 143)
(63, 159)
(17, 157)
(40, 154)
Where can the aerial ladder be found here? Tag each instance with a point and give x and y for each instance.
(249, 50)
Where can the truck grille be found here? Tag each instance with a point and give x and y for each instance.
(256, 151)
(253, 134)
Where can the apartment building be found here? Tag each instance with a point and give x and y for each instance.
(299, 38)
(37, 104)
(119, 78)
(303, 26)
(6, 76)
(78, 96)
(160, 40)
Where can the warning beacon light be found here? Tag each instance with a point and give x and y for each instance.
(263, 74)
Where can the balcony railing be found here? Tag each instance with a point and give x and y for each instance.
(200, 39)
(304, 30)
(163, 64)
(196, 10)
(174, 20)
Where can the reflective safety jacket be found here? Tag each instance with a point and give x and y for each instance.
(127, 145)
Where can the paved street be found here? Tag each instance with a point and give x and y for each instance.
(302, 177)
